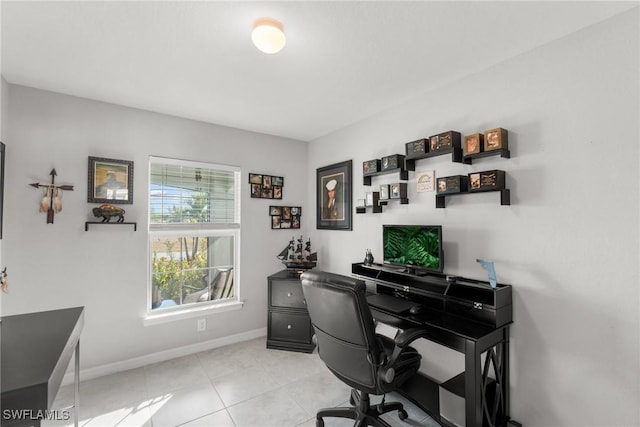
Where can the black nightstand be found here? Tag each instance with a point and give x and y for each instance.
(289, 326)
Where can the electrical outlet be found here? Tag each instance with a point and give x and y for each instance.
(202, 325)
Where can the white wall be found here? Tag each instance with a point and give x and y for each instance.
(568, 243)
(4, 103)
(105, 269)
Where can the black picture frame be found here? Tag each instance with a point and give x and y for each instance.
(110, 181)
(336, 178)
(285, 217)
(266, 186)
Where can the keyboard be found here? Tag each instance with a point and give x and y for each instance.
(389, 303)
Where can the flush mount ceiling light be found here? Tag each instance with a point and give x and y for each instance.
(268, 35)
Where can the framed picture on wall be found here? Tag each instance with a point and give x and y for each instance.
(110, 181)
(333, 196)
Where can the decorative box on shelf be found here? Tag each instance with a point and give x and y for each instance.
(496, 139)
(370, 167)
(452, 184)
(473, 144)
(417, 148)
(487, 180)
(393, 161)
(445, 141)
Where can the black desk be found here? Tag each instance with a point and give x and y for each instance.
(36, 351)
(473, 326)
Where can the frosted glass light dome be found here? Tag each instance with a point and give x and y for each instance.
(268, 35)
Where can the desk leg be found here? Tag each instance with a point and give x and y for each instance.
(472, 385)
(76, 386)
(505, 371)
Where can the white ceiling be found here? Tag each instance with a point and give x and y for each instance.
(344, 60)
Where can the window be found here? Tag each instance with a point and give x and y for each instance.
(194, 234)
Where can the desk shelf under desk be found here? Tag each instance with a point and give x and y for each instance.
(465, 315)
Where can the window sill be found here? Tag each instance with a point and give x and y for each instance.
(151, 319)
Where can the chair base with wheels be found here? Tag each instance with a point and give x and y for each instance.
(362, 412)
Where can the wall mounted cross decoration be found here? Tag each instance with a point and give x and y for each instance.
(51, 196)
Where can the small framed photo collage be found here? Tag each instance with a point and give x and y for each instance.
(266, 186)
(285, 217)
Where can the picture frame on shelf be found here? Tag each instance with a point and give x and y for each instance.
(384, 191)
(473, 144)
(110, 181)
(425, 181)
(496, 139)
(333, 196)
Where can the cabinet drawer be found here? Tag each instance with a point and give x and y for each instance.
(290, 327)
(287, 293)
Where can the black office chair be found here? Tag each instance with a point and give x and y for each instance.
(348, 344)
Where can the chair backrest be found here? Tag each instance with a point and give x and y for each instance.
(344, 326)
(223, 284)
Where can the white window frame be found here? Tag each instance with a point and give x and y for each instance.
(179, 312)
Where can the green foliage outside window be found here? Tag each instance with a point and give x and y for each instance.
(177, 278)
(182, 268)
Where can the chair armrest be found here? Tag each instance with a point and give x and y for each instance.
(408, 336)
(402, 340)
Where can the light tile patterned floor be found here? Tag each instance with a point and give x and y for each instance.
(241, 385)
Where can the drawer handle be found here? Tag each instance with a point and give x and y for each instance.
(289, 294)
(288, 326)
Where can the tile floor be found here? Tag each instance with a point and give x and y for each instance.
(244, 384)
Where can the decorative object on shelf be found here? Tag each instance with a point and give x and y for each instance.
(496, 139)
(285, 217)
(393, 161)
(298, 256)
(333, 196)
(416, 148)
(368, 257)
(51, 201)
(397, 191)
(110, 181)
(384, 191)
(371, 201)
(488, 265)
(425, 181)
(480, 182)
(436, 145)
(371, 166)
(445, 141)
(486, 180)
(106, 212)
(473, 144)
(266, 186)
(453, 184)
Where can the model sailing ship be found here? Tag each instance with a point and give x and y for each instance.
(295, 256)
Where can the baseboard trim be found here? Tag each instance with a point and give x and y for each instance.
(161, 356)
